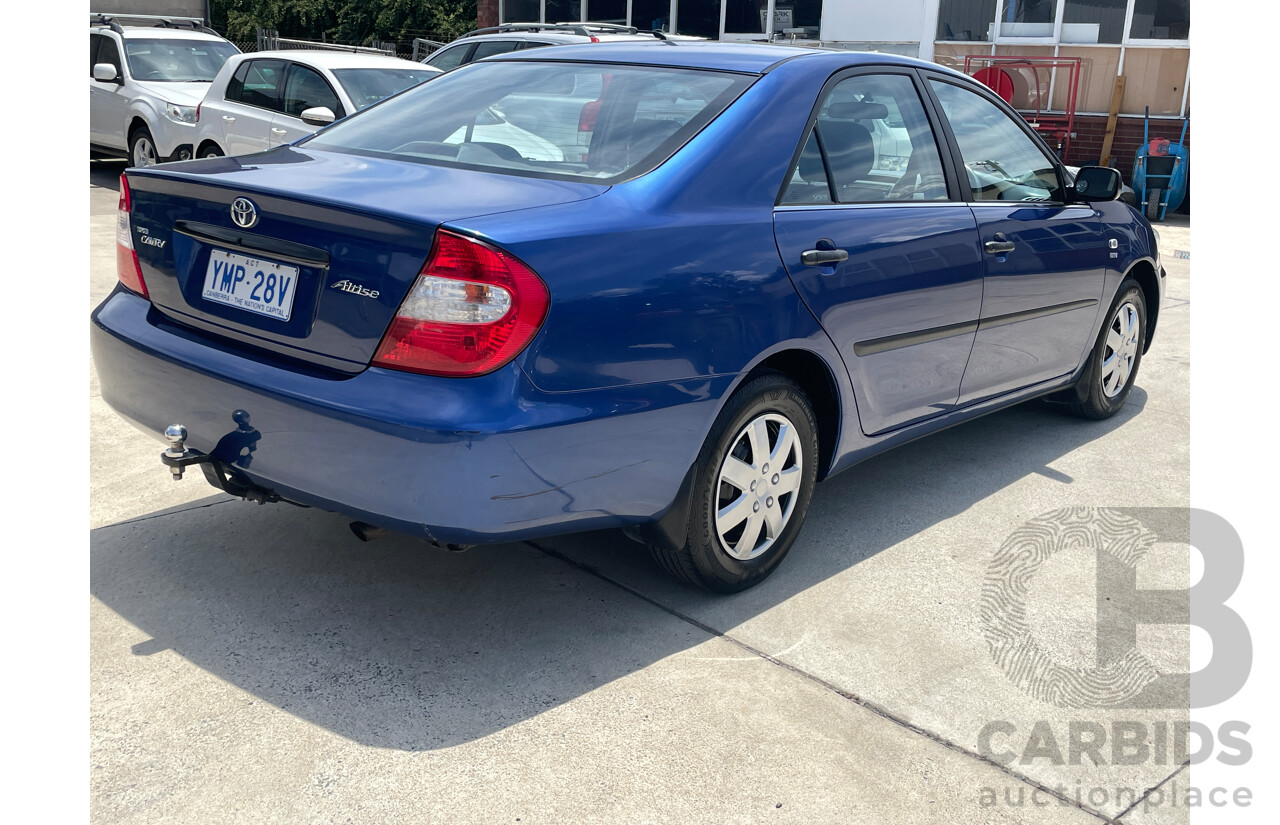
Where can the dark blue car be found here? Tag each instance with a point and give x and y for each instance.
(663, 287)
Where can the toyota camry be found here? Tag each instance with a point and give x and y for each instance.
(659, 287)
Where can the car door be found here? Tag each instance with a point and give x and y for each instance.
(304, 88)
(108, 101)
(250, 105)
(1044, 259)
(881, 249)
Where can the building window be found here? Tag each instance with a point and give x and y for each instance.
(1161, 20)
(607, 11)
(966, 19)
(1093, 21)
(564, 11)
(1027, 18)
(521, 11)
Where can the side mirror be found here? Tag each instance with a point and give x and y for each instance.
(104, 73)
(318, 116)
(1097, 183)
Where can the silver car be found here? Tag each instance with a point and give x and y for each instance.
(145, 82)
(268, 99)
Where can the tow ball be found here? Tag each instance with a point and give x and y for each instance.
(178, 458)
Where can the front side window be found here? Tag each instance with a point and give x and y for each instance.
(108, 53)
(257, 83)
(1002, 162)
(542, 118)
(175, 61)
(306, 89)
(872, 142)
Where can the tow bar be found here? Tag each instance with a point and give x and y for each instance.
(178, 458)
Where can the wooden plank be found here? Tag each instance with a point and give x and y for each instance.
(1112, 114)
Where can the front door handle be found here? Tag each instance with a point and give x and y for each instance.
(999, 245)
(823, 257)
(276, 131)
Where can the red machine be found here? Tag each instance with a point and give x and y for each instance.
(1026, 83)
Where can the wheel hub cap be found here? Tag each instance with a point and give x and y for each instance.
(1121, 350)
(757, 486)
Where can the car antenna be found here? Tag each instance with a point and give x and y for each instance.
(658, 34)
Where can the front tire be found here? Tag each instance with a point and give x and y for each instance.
(142, 148)
(751, 488)
(1116, 355)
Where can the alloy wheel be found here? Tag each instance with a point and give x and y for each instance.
(144, 152)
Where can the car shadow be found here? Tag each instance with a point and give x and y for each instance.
(399, 645)
(105, 173)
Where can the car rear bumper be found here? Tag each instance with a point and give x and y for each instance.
(464, 461)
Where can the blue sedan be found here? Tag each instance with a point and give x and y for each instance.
(665, 287)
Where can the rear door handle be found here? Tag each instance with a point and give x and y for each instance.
(823, 257)
(228, 119)
(999, 245)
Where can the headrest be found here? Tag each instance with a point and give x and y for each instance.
(858, 110)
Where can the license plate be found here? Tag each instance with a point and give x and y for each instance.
(264, 287)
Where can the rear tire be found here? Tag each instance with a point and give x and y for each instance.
(1153, 204)
(211, 151)
(1116, 355)
(752, 485)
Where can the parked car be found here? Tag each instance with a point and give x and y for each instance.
(678, 331)
(266, 99)
(512, 37)
(145, 82)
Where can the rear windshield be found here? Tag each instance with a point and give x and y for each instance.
(366, 87)
(172, 61)
(561, 120)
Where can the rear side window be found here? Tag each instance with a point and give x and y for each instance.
(492, 47)
(450, 58)
(306, 89)
(257, 83)
(572, 121)
(872, 142)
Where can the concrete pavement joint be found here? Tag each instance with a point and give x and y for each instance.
(1152, 789)
(818, 680)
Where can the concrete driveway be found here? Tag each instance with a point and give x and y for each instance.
(259, 664)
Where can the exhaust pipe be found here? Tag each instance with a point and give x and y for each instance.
(367, 532)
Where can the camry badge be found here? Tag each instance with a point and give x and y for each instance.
(244, 213)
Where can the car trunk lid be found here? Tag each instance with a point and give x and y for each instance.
(334, 243)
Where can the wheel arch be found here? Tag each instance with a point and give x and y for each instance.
(814, 376)
(205, 144)
(1144, 272)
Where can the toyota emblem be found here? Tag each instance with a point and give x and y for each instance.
(244, 213)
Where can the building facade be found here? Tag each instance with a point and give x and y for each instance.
(1146, 42)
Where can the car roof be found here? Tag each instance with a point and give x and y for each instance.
(160, 33)
(337, 60)
(733, 57)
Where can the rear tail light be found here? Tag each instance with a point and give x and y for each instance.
(127, 268)
(198, 105)
(472, 309)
